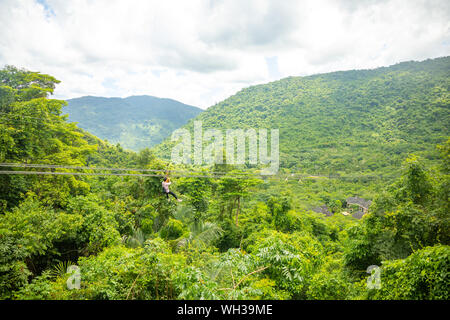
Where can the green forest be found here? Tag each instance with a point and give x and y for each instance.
(364, 121)
(136, 122)
(380, 135)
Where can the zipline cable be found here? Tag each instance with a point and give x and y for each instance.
(163, 172)
(108, 174)
(30, 165)
(52, 166)
(192, 174)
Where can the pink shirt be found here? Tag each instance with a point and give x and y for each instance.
(166, 185)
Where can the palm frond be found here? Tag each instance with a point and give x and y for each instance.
(136, 239)
(60, 269)
(201, 233)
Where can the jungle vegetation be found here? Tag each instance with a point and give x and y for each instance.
(237, 238)
(136, 122)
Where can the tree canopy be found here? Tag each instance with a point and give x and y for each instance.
(236, 236)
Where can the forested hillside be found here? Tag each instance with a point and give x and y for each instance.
(136, 122)
(234, 235)
(364, 121)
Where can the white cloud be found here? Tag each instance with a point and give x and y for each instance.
(200, 52)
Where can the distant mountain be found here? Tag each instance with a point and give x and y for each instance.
(135, 122)
(362, 121)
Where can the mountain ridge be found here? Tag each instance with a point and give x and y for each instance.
(365, 120)
(136, 122)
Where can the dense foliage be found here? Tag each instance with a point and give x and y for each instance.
(363, 121)
(231, 238)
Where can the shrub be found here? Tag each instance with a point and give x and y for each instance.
(422, 276)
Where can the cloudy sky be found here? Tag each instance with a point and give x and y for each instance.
(200, 52)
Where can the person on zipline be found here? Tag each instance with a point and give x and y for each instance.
(165, 184)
